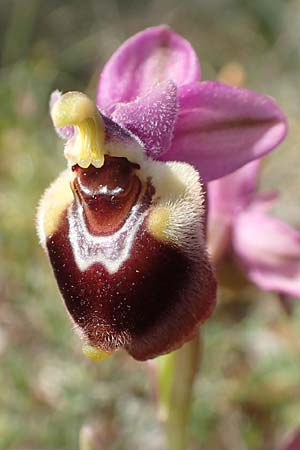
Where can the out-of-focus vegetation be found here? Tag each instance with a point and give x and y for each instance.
(248, 393)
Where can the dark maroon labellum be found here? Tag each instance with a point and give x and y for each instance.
(122, 286)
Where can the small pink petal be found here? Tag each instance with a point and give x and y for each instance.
(268, 250)
(232, 193)
(293, 443)
(151, 56)
(63, 132)
(227, 196)
(151, 117)
(220, 128)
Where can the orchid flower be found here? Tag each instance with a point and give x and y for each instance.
(264, 247)
(124, 226)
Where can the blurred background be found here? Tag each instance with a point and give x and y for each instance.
(247, 396)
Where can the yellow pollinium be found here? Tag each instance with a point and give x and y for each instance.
(87, 146)
(94, 353)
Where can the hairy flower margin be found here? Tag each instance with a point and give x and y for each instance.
(124, 225)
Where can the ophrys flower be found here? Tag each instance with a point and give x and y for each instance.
(125, 228)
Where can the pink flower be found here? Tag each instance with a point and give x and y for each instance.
(267, 249)
(151, 86)
(124, 225)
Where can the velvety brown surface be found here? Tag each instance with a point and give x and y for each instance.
(157, 297)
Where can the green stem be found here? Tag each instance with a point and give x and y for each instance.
(185, 366)
(87, 439)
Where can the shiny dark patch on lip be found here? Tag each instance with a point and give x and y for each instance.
(108, 194)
